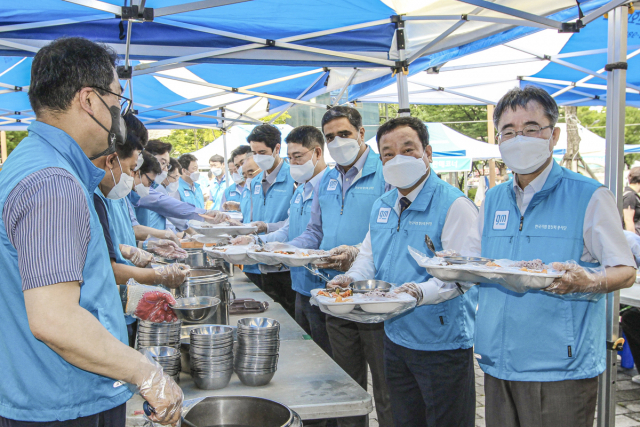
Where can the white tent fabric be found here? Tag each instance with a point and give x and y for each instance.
(590, 143)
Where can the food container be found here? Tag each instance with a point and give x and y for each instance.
(196, 309)
(208, 283)
(364, 286)
(364, 308)
(242, 411)
(213, 230)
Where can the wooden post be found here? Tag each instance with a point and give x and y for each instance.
(491, 139)
(3, 146)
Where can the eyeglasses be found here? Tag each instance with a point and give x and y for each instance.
(532, 131)
(300, 156)
(125, 103)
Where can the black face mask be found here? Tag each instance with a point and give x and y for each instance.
(117, 133)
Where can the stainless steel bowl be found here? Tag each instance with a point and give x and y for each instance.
(255, 379)
(241, 411)
(196, 309)
(213, 382)
(254, 324)
(364, 286)
(161, 352)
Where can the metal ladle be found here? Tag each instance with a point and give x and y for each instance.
(430, 244)
(315, 272)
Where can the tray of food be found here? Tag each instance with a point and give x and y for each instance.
(287, 255)
(214, 230)
(233, 254)
(518, 276)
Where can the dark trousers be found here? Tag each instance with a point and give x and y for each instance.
(430, 388)
(354, 346)
(278, 287)
(115, 417)
(570, 403)
(313, 321)
(631, 327)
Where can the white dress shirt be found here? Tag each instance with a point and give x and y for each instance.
(462, 212)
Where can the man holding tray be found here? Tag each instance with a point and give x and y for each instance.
(542, 350)
(428, 355)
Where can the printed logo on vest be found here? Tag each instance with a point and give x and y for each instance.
(233, 193)
(245, 194)
(186, 193)
(333, 184)
(298, 198)
(383, 215)
(500, 221)
(257, 190)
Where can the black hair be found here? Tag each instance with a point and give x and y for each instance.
(150, 164)
(230, 160)
(634, 175)
(517, 97)
(349, 113)
(308, 136)
(186, 159)
(137, 137)
(66, 65)
(240, 150)
(158, 148)
(175, 164)
(268, 134)
(216, 158)
(412, 122)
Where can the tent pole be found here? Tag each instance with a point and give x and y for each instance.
(614, 157)
(224, 146)
(402, 72)
(491, 139)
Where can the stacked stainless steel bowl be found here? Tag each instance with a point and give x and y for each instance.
(211, 356)
(256, 358)
(167, 357)
(151, 334)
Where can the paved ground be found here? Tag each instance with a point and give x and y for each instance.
(627, 409)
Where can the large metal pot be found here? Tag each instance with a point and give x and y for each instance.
(242, 411)
(203, 282)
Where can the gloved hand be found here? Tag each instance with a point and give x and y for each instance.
(340, 258)
(214, 217)
(447, 252)
(149, 303)
(235, 222)
(262, 226)
(340, 281)
(170, 235)
(171, 275)
(165, 248)
(231, 206)
(243, 240)
(138, 257)
(577, 279)
(157, 388)
(411, 289)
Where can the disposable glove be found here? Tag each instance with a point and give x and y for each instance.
(214, 217)
(162, 393)
(411, 289)
(262, 226)
(577, 279)
(165, 248)
(340, 258)
(149, 303)
(138, 257)
(231, 206)
(447, 252)
(171, 275)
(242, 240)
(340, 281)
(170, 235)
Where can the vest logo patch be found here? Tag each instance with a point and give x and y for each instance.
(333, 184)
(186, 193)
(500, 220)
(233, 193)
(383, 215)
(298, 198)
(257, 190)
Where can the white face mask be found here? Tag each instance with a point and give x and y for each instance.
(195, 176)
(141, 189)
(344, 150)
(404, 171)
(160, 178)
(216, 171)
(237, 178)
(123, 187)
(173, 187)
(525, 154)
(264, 161)
(139, 162)
(302, 173)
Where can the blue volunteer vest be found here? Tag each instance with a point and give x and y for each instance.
(37, 384)
(216, 190)
(232, 194)
(245, 208)
(344, 221)
(302, 281)
(120, 227)
(538, 336)
(273, 206)
(445, 326)
(193, 197)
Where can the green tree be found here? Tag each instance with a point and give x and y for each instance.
(13, 138)
(189, 140)
(279, 121)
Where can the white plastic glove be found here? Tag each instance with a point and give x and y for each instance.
(165, 248)
(231, 206)
(340, 258)
(138, 257)
(170, 235)
(171, 275)
(162, 393)
(214, 217)
(435, 291)
(243, 240)
(411, 289)
(577, 279)
(262, 226)
(149, 303)
(340, 281)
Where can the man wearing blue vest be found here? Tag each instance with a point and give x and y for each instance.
(60, 310)
(542, 350)
(339, 213)
(233, 193)
(218, 181)
(428, 351)
(189, 189)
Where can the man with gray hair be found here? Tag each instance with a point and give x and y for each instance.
(542, 350)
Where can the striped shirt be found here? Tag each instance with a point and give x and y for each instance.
(47, 220)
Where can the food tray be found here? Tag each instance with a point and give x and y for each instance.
(213, 230)
(290, 260)
(233, 254)
(363, 309)
(234, 215)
